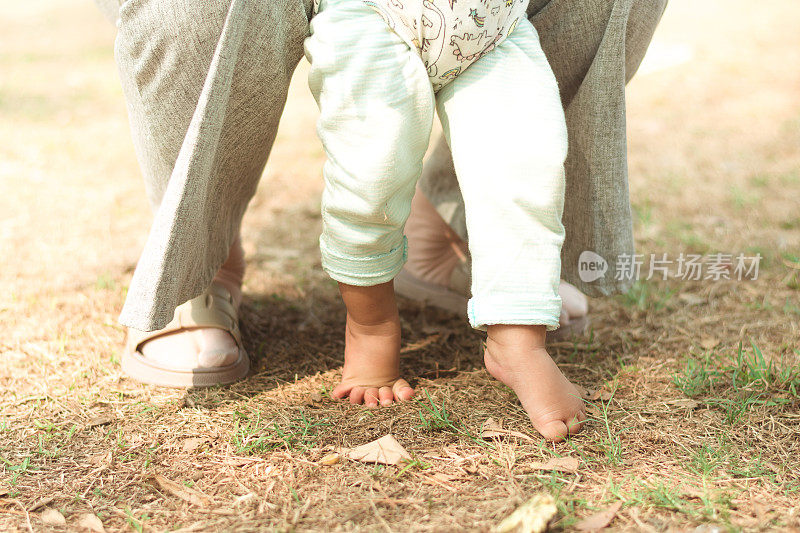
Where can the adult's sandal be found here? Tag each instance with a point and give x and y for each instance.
(212, 309)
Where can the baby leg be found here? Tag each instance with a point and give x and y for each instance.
(376, 111)
(503, 120)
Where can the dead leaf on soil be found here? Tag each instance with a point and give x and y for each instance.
(101, 459)
(599, 520)
(41, 503)
(52, 517)
(190, 445)
(187, 494)
(593, 411)
(559, 464)
(99, 421)
(386, 450)
(330, 459)
(598, 394)
(685, 403)
(495, 430)
(530, 517)
(314, 398)
(91, 522)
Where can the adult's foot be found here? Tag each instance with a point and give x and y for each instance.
(203, 347)
(437, 256)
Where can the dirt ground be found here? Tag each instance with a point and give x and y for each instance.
(695, 392)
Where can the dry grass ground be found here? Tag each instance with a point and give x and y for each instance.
(685, 430)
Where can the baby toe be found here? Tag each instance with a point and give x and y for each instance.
(402, 390)
(371, 397)
(386, 396)
(555, 430)
(357, 395)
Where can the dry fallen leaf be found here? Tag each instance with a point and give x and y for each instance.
(560, 464)
(41, 503)
(330, 459)
(53, 517)
(593, 412)
(530, 517)
(599, 520)
(188, 494)
(91, 522)
(190, 445)
(495, 430)
(386, 450)
(99, 421)
(686, 403)
(582, 391)
(315, 397)
(599, 394)
(101, 459)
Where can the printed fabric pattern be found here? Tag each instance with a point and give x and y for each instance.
(449, 35)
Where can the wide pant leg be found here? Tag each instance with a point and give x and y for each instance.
(503, 120)
(205, 83)
(594, 47)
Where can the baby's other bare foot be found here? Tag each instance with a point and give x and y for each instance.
(371, 373)
(516, 355)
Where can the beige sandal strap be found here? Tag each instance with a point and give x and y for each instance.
(212, 309)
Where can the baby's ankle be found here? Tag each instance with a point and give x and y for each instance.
(370, 306)
(517, 335)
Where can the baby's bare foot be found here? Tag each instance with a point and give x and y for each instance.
(516, 355)
(371, 373)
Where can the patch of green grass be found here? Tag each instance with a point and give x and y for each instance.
(759, 180)
(738, 384)
(792, 223)
(105, 282)
(648, 296)
(693, 241)
(643, 213)
(790, 178)
(134, 522)
(415, 464)
(252, 435)
(609, 438)
(791, 308)
(742, 198)
(17, 469)
(707, 460)
(723, 458)
(699, 504)
(435, 418)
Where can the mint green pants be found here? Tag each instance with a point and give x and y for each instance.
(503, 120)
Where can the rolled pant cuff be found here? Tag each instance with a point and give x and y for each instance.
(363, 271)
(514, 309)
